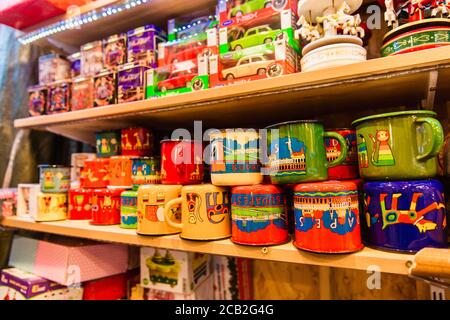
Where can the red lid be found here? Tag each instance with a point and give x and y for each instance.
(332, 185)
(115, 192)
(258, 189)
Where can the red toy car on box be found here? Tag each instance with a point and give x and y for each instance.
(177, 79)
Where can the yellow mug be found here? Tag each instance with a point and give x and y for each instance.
(205, 212)
(151, 201)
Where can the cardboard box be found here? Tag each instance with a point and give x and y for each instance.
(27, 199)
(181, 27)
(16, 284)
(259, 62)
(255, 29)
(53, 68)
(173, 271)
(68, 261)
(232, 278)
(142, 45)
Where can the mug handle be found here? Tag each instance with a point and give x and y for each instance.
(167, 207)
(344, 149)
(437, 138)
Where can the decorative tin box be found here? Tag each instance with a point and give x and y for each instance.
(54, 178)
(95, 173)
(105, 205)
(68, 261)
(120, 172)
(77, 164)
(37, 100)
(80, 204)
(128, 209)
(27, 199)
(173, 271)
(108, 143)
(52, 68)
(137, 142)
(114, 51)
(143, 43)
(51, 207)
(91, 58)
(131, 83)
(75, 64)
(146, 170)
(105, 92)
(16, 284)
(59, 97)
(82, 93)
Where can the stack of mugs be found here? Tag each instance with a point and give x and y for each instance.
(404, 205)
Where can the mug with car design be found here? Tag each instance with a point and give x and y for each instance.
(404, 215)
(399, 145)
(151, 202)
(120, 172)
(80, 204)
(95, 173)
(54, 178)
(258, 215)
(105, 205)
(296, 151)
(327, 217)
(137, 142)
(349, 168)
(108, 143)
(146, 170)
(235, 157)
(205, 212)
(51, 207)
(181, 162)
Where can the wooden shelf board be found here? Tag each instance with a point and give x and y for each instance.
(155, 12)
(387, 262)
(391, 81)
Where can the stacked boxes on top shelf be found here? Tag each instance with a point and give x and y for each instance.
(256, 41)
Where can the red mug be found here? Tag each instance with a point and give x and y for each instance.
(120, 171)
(105, 206)
(95, 173)
(137, 142)
(181, 162)
(349, 168)
(80, 204)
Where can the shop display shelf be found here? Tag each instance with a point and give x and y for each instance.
(366, 259)
(403, 80)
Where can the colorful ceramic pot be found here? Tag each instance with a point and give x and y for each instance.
(349, 168)
(258, 215)
(77, 164)
(137, 142)
(181, 162)
(327, 217)
(205, 212)
(105, 206)
(415, 36)
(95, 173)
(146, 170)
(80, 204)
(54, 179)
(297, 152)
(398, 145)
(128, 209)
(404, 215)
(151, 202)
(120, 172)
(235, 157)
(108, 144)
(51, 207)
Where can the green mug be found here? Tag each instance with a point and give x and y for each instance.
(398, 145)
(297, 152)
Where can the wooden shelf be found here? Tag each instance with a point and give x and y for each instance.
(155, 12)
(385, 82)
(387, 262)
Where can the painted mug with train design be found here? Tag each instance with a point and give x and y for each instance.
(399, 145)
(205, 212)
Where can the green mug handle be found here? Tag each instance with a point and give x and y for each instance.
(437, 138)
(344, 149)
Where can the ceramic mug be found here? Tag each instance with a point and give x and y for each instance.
(349, 168)
(105, 206)
(51, 207)
(205, 212)
(297, 152)
(398, 145)
(235, 157)
(258, 215)
(151, 201)
(327, 217)
(404, 215)
(181, 162)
